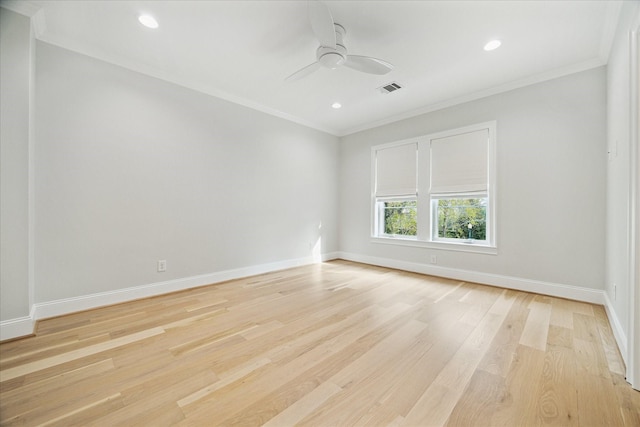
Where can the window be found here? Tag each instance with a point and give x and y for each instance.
(437, 190)
(398, 217)
(395, 191)
(460, 219)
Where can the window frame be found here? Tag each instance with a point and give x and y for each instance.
(426, 235)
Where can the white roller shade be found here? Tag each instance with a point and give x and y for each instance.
(459, 163)
(396, 170)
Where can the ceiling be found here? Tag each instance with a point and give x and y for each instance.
(242, 51)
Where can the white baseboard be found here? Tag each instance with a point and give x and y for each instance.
(616, 326)
(18, 327)
(594, 296)
(23, 326)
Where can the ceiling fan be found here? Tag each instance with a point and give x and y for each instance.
(332, 53)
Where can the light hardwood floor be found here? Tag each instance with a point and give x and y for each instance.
(334, 344)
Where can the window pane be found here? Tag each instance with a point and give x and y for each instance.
(400, 218)
(461, 218)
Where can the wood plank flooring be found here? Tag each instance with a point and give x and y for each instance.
(333, 344)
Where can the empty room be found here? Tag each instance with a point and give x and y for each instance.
(320, 213)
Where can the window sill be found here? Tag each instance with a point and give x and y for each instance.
(445, 246)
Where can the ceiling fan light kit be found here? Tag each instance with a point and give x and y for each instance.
(492, 45)
(332, 52)
(331, 58)
(148, 21)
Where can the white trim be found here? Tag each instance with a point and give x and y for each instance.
(23, 7)
(39, 25)
(616, 326)
(18, 327)
(612, 16)
(14, 328)
(490, 124)
(31, 174)
(21, 326)
(593, 296)
(633, 351)
(393, 144)
(445, 246)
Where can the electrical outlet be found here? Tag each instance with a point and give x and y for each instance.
(434, 259)
(162, 265)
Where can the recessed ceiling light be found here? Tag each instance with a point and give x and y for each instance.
(493, 44)
(336, 105)
(148, 21)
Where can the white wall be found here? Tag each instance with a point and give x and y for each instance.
(551, 162)
(618, 262)
(15, 83)
(131, 170)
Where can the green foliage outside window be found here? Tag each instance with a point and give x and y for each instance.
(400, 218)
(455, 215)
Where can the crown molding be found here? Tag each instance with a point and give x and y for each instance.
(23, 7)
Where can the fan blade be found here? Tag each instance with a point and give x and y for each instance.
(367, 64)
(303, 72)
(322, 23)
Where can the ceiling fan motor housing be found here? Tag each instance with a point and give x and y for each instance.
(332, 58)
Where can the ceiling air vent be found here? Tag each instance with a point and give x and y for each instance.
(391, 87)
